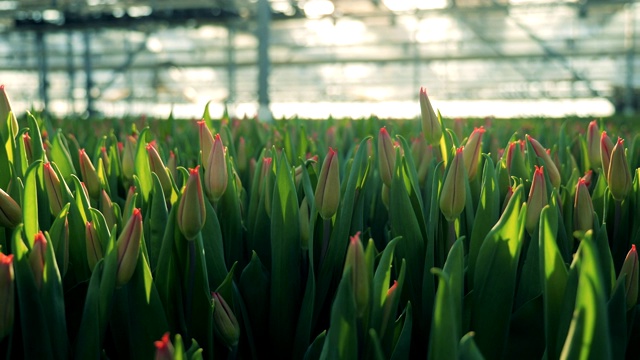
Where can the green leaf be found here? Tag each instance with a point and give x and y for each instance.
(315, 349)
(468, 350)
(52, 298)
(59, 234)
(342, 337)
(156, 221)
(443, 342)
(403, 345)
(142, 167)
(59, 153)
(37, 150)
(30, 203)
(254, 288)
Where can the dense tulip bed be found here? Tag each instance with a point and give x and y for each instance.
(336, 239)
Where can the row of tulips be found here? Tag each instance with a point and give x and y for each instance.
(317, 240)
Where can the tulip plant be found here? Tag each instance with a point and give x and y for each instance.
(339, 239)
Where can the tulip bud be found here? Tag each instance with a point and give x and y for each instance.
(5, 112)
(430, 124)
(593, 146)
(191, 210)
(241, 157)
(157, 166)
(588, 176)
(537, 199)
(304, 224)
(582, 208)
(386, 156)
(164, 348)
(226, 325)
(266, 183)
(54, 191)
(327, 194)
(355, 260)
(172, 164)
(10, 211)
(606, 147)
(216, 176)
(94, 246)
(206, 142)
(552, 170)
(106, 208)
(454, 190)
(387, 310)
(515, 160)
(89, 175)
(384, 196)
(630, 269)
(619, 176)
(472, 151)
(129, 157)
(37, 258)
(7, 301)
(128, 201)
(128, 246)
(26, 139)
(105, 158)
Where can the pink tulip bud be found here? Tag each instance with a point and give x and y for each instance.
(157, 166)
(606, 147)
(552, 170)
(582, 208)
(226, 325)
(355, 260)
(54, 191)
(215, 172)
(7, 301)
(164, 348)
(89, 175)
(472, 152)
(454, 191)
(386, 157)
(37, 258)
(588, 176)
(593, 145)
(191, 210)
(537, 199)
(26, 139)
(619, 176)
(630, 269)
(206, 142)
(94, 246)
(10, 211)
(327, 195)
(430, 124)
(128, 246)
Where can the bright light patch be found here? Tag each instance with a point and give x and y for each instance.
(315, 9)
(139, 11)
(154, 45)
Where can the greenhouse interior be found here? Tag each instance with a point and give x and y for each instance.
(320, 58)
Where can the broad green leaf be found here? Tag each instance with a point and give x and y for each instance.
(142, 167)
(315, 349)
(37, 150)
(254, 288)
(30, 203)
(468, 350)
(342, 337)
(59, 152)
(156, 221)
(443, 342)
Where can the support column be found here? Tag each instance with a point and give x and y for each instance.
(71, 73)
(630, 102)
(231, 68)
(43, 81)
(88, 70)
(264, 63)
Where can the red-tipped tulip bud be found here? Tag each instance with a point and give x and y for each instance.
(327, 194)
(550, 166)
(430, 124)
(128, 246)
(582, 208)
(453, 195)
(28, 149)
(89, 175)
(386, 156)
(387, 310)
(606, 147)
(472, 151)
(215, 173)
(94, 246)
(355, 260)
(10, 211)
(164, 348)
(537, 199)
(304, 224)
(225, 323)
(7, 302)
(5, 112)
(172, 164)
(206, 142)
(53, 188)
(37, 258)
(106, 208)
(129, 157)
(105, 158)
(588, 176)
(630, 269)
(619, 176)
(128, 201)
(515, 160)
(593, 145)
(191, 210)
(157, 166)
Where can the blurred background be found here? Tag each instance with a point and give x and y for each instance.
(316, 58)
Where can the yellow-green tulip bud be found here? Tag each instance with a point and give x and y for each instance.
(537, 199)
(206, 142)
(54, 190)
(157, 166)
(430, 124)
(606, 147)
(7, 301)
(215, 173)
(386, 156)
(593, 145)
(10, 211)
(28, 149)
(582, 208)
(226, 325)
(172, 164)
(37, 258)
(472, 151)
(128, 246)
(5, 112)
(630, 269)
(619, 176)
(89, 175)
(106, 208)
(453, 195)
(94, 246)
(388, 315)
(129, 157)
(552, 170)
(191, 211)
(327, 194)
(355, 260)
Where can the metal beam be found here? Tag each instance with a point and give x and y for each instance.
(43, 80)
(71, 72)
(264, 63)
(88, 70)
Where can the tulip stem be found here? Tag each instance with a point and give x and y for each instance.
(190, 279)
(326, 235)
(451, 234)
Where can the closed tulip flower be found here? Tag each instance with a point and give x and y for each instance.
(537, 199)
(327, 195)
(226, 324)
(454, 190)
(206, 142)
(582, 208)
(37, 258)
(54, 191)
(215, 173)
(550, 166)
(619, 176)
(593, 145)
(386, 156)
(191, 210)
(360, 275)
(128, 246)
(630, 269)
(606, 147)
(430, 124)
(472, 151)
(94, 247)
(89, 175)
(10, 211)
(7, 301)
(157, 166)
(164, 348)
